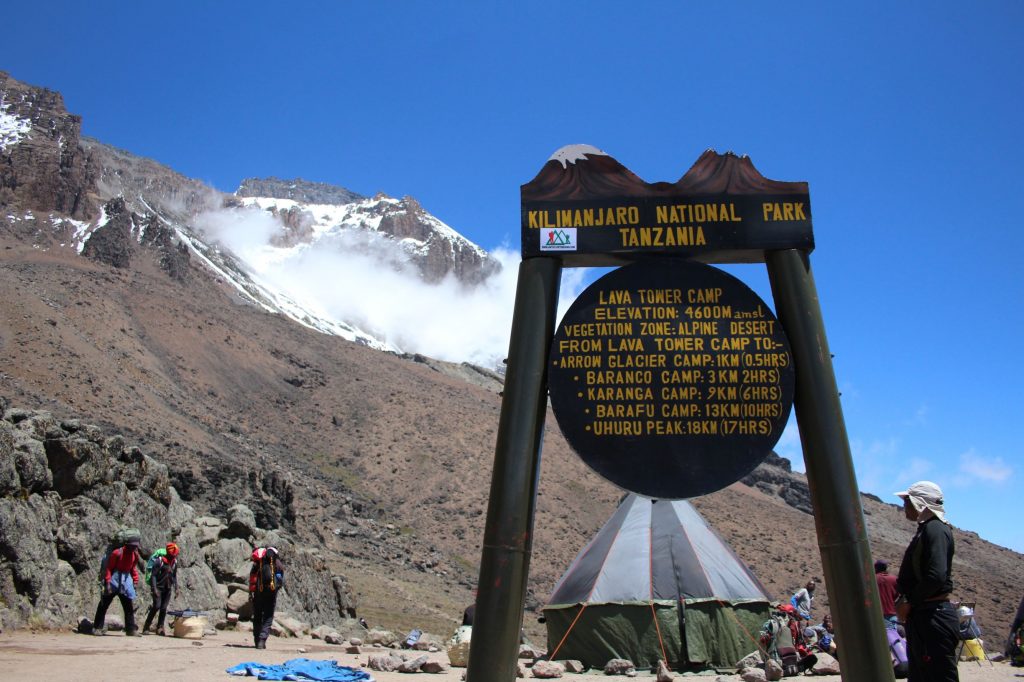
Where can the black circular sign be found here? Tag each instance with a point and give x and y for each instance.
(671, 379)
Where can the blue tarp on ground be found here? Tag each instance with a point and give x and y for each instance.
(301, 669)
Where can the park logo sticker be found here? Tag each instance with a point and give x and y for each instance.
(558, 239)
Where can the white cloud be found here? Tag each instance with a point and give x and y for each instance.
(365, 279)
(789, 445)
(875, 463)
(913, 470)
(919, 418)
(243, 230)
(989, 469)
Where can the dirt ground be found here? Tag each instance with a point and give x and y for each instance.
(67, 657)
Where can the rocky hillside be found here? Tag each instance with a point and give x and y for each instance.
(65, 489)
(378, 461)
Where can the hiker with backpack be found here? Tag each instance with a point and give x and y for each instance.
(266, 577)
(162, 577)
(120, 577)
(782, 641)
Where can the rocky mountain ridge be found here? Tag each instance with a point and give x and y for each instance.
(379, 461)
(58, 185)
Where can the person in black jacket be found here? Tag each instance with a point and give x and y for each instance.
(925, 582)
(1013, 650)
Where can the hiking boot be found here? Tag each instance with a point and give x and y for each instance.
(99, 632)
(162, 632)
(132, 633)
(261, 644)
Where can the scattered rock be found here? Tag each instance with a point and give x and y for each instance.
(751, 660)
(573, 666)
(619, 666)
(413, 665)
(753, 675)
(435, 667)
(826, 665)
(546, 670)
(384, 663)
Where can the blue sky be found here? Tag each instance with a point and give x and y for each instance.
(905, 118)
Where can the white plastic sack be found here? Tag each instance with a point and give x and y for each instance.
(458, 646)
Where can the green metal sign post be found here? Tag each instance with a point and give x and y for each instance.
(508, 535)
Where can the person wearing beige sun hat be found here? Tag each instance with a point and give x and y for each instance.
(925, 582)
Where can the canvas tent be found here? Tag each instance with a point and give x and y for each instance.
(656, 582)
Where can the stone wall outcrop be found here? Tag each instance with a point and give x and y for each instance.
(46, 170)
(65, 489)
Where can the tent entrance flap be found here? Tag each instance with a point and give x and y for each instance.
(718, 635)
(606, 631)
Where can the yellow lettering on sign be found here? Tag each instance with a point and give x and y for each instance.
(615, 297)
(623, 377)
(578, 361)
(682, 235)
(774, 211)
(588, 217)
(625, 344)
(580, 345)
(664, 428)
(600, 428)
(660, 295)
(636, 393)
(677, 410)
(697, 213)
(603, 411)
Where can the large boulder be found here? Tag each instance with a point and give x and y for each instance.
(230, 559)
(10, 482)
(241, 523)
(31, 462)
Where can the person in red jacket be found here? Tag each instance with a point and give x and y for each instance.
(119, 579)
(887, 592)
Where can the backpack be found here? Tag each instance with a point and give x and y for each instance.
(125, 535)
(898, 652)
(969, 629)
(269, 573)
(412, 638)
(121, 537)
(153, 559)
(776, 638)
